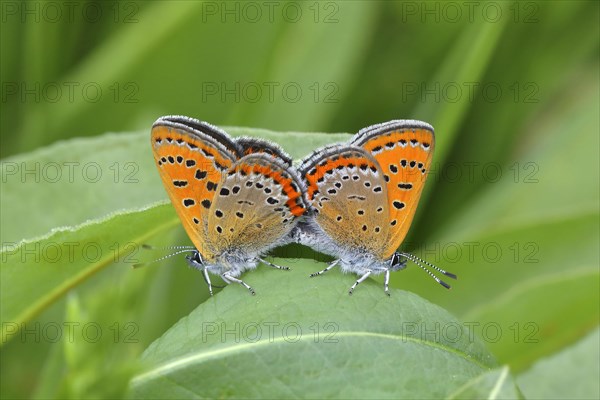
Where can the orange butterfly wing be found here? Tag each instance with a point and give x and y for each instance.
(191, 157)
(404, 151)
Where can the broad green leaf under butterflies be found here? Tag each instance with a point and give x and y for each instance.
(301, 337)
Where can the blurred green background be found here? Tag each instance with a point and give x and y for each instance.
(511, 206)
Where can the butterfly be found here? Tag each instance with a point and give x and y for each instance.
(236, 199)
(363, 196)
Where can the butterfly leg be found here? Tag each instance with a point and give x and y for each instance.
(207, 280)
(229, 279)
(273, 265)
(386, 282)
(359, 280)
(329, 266)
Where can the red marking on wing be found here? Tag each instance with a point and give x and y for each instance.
(262, 146)
(294, 195)
(319, 170)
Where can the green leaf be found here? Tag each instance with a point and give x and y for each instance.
(119, 311)
(570, 374)
(495, 384)
(74, 181)
(303, 337)
(34, 274)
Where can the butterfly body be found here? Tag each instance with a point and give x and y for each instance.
(363, 197)
(236, 200)
(356, 260)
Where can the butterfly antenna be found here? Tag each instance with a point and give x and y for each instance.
(421, 263)
(180, 250)
(448, 274)
(186, 250)
(150, 247)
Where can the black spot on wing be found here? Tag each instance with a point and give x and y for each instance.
(200, 174)
(398, 204)
(180, 183)
(211, 186)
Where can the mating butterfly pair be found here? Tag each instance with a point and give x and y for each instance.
(237, 199)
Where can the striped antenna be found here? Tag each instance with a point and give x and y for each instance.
(150, 247)
(184, 249)
(421, 263)
(180, 250)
